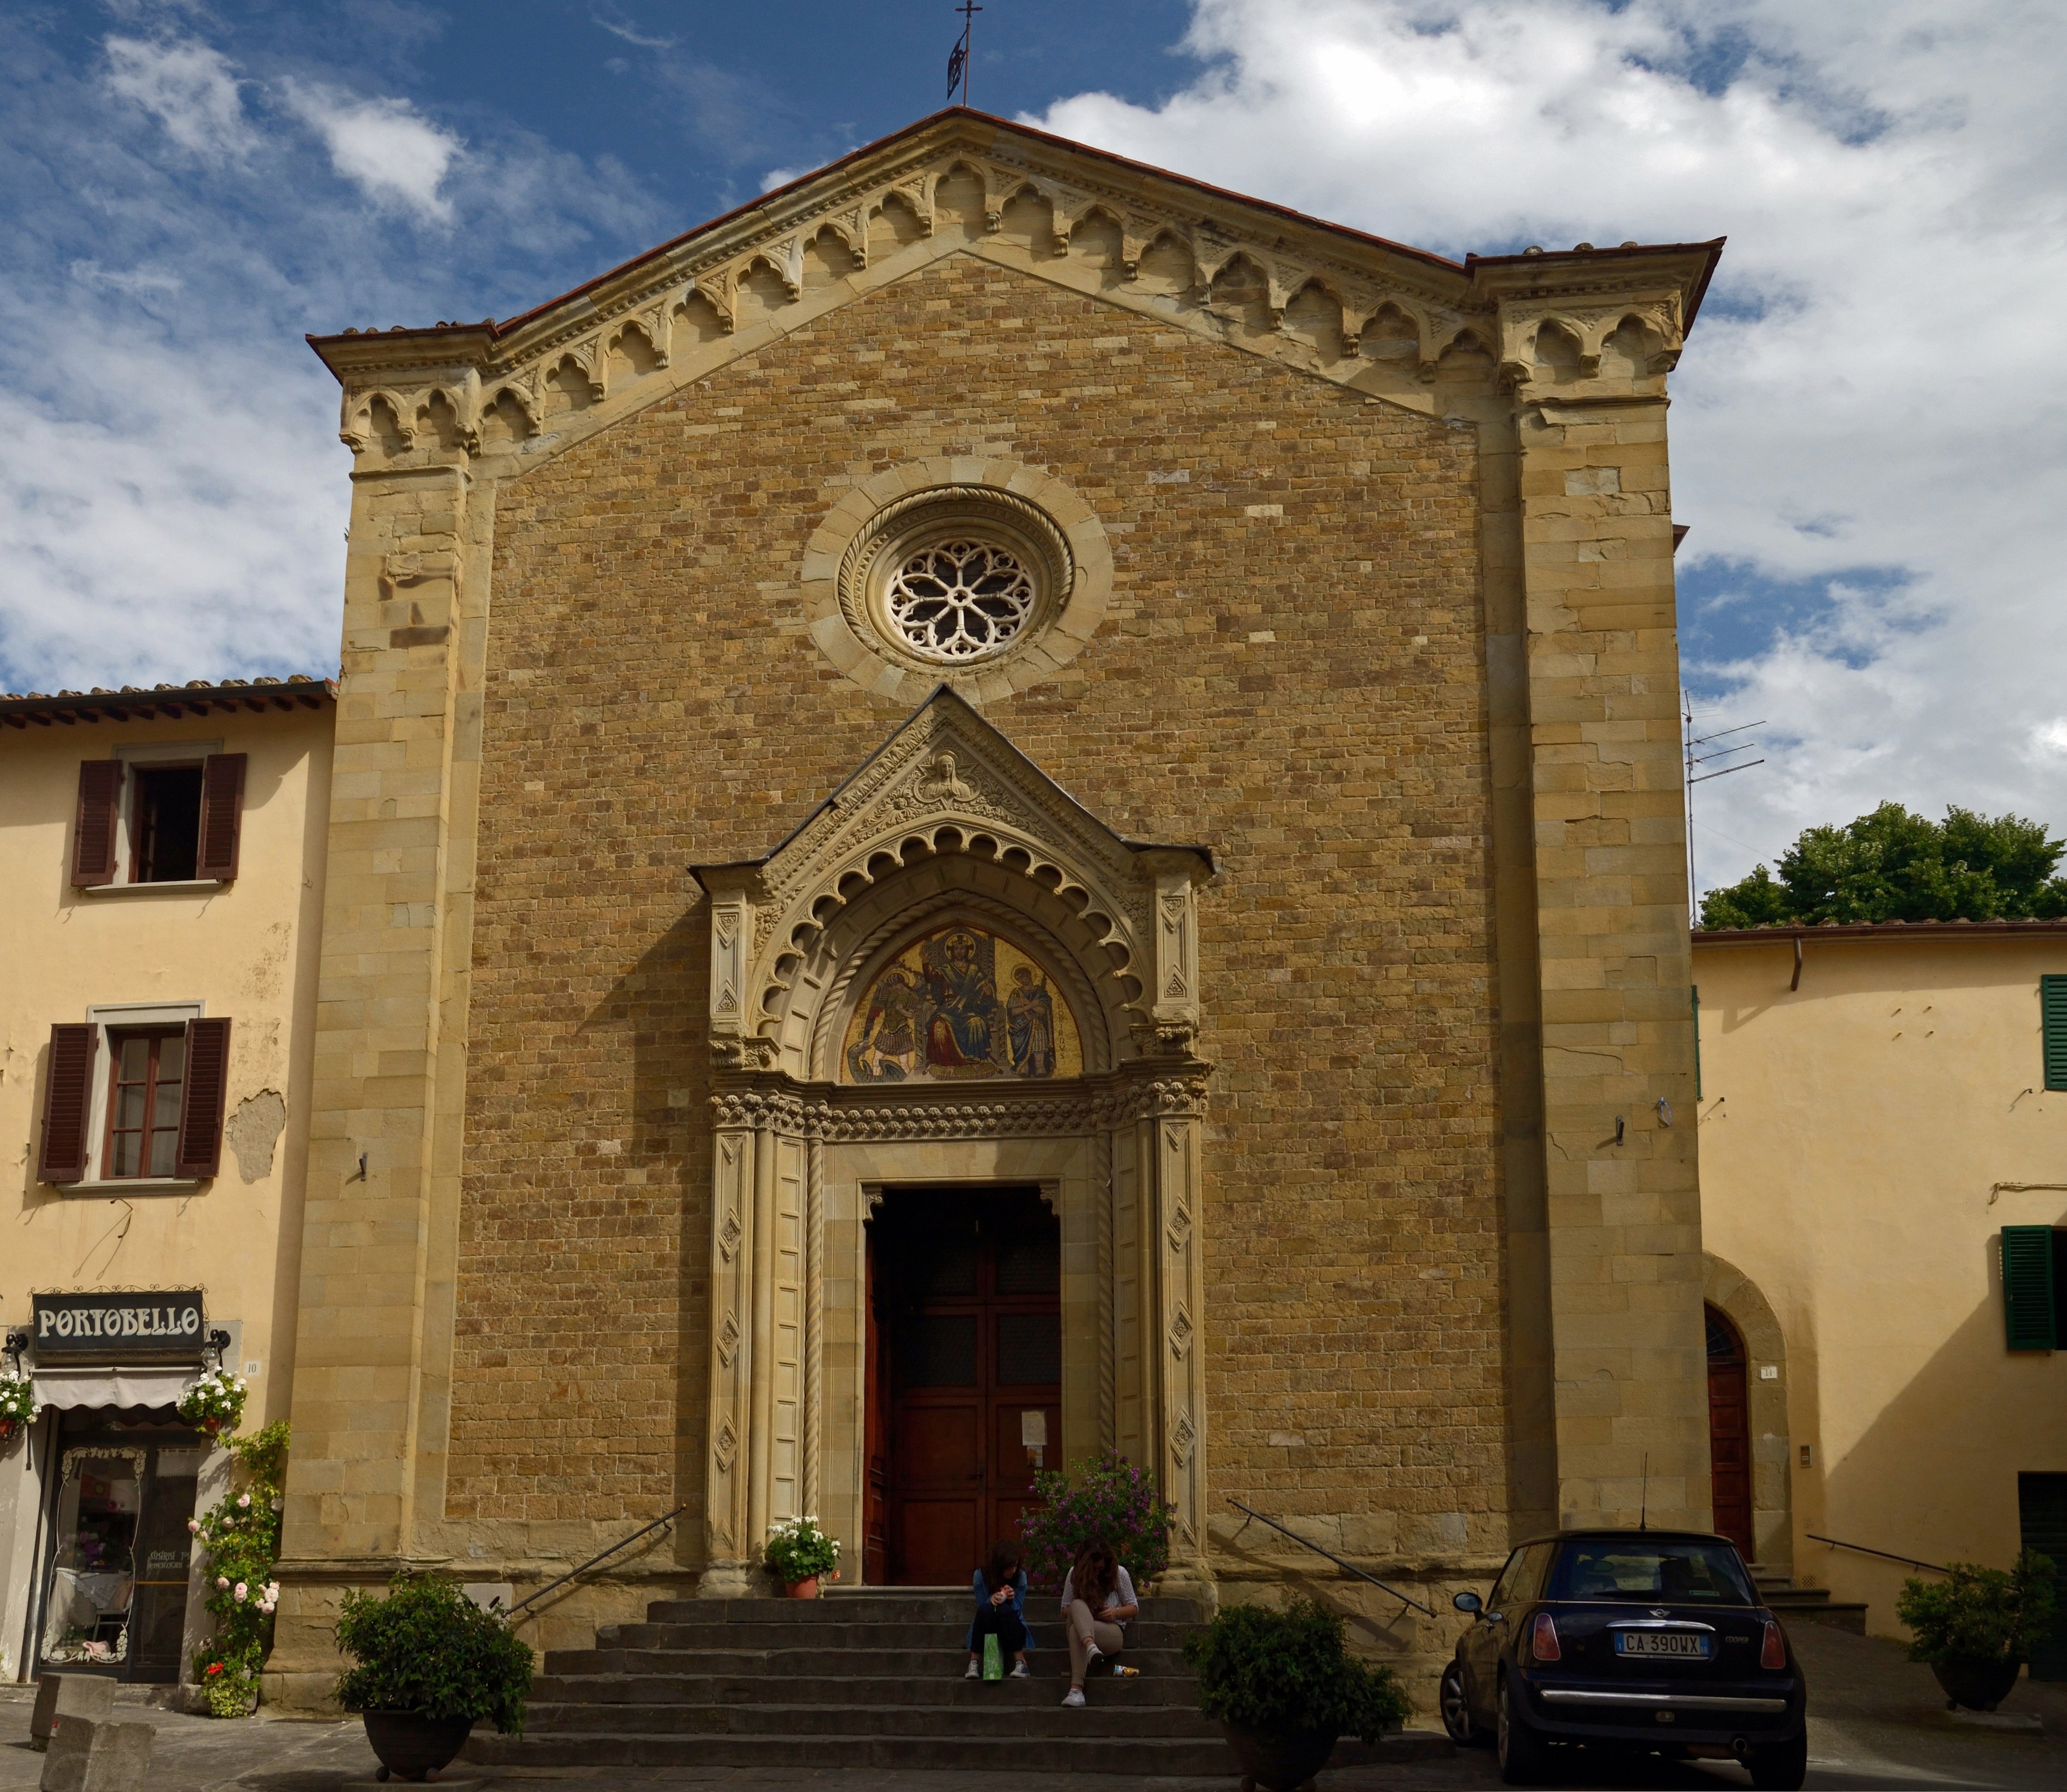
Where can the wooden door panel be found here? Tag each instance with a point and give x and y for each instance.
(1729, 1455)
(937, 1541)
(939, 1446)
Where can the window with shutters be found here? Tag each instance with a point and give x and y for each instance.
(147, 1080)
(2053, 1027)
(137, 1095)
(156, 814)
(2034, 1280)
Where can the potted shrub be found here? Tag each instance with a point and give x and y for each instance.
(431, 1665)
(800, 1555)
(1284, 1686)
(1976, 1626)
(1111, 1499)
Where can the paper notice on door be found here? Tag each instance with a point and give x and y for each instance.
(1034, 1429)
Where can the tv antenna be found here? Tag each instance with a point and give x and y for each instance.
(1694, 747)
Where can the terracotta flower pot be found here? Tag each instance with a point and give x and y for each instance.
(807, 1588)
(1279, 1761)
(1978, 1685)
(7, 1425)
(411, 1744)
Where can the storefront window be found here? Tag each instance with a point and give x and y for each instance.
(116, 1596)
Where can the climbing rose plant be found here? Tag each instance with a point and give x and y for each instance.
(1112, 1499)
(241, 1539)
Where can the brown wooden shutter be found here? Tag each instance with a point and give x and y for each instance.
(68, 1099)
(93, 831)
(222, 814)
(202, 1101)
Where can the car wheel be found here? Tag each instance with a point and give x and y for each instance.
(1456, 1705)
(1781, 1766)
(1525, 1760)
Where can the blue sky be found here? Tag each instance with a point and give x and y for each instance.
(1868, 446)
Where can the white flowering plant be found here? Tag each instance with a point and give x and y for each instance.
(241, 1538)
(18, 1399)
(215, 1403)
(797, 1550)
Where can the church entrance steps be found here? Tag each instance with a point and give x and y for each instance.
(1808, 1605)
(859, 1679)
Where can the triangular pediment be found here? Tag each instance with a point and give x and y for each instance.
(1351, 308)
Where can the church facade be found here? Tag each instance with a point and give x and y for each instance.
(1000, 808)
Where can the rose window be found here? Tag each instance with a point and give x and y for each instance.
(959, 600)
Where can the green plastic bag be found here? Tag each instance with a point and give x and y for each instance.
(994, 1658)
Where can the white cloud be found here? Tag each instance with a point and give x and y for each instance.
(173, 495)
(386, 146)
(1868, 388)
(188, 88)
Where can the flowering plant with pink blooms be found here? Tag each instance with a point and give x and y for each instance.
(241, 1538)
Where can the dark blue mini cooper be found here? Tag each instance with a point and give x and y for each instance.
(1650, 1641)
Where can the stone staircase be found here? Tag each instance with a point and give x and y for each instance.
(864, 1679)
(1806, 1605)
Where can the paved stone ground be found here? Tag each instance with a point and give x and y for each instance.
(1875, 1721)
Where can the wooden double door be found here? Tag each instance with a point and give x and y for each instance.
(965, 1376)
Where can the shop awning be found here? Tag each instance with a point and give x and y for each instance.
(127, 1386)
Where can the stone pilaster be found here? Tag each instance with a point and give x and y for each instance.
(1623, 1230)
(373, 1333)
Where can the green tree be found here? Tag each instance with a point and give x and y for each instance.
(1891, 865)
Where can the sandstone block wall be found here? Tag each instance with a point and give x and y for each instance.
(1293, 672)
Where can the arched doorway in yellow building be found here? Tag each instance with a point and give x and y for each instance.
(1748, 1443)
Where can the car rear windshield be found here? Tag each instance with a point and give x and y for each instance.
(1663, 1573)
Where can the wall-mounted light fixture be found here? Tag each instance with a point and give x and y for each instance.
(1664, 1112)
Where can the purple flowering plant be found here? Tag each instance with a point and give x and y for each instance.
(1108, 1498)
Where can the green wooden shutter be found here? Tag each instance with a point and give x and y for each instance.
(1697, 1043)
(2052, 1021)
(2027, 1272)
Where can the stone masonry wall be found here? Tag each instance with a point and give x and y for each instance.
(1292, 672)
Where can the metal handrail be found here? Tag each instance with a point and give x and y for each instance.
(1907, 1561)
(584, 1568)
(1346, 1566)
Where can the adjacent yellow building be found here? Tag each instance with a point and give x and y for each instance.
(161, 891)
(1882, 1107)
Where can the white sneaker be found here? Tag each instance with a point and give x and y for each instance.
(975, 1670)
(1075, 1698)
(1021, 1671)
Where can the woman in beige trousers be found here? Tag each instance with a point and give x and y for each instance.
(1097, 1603)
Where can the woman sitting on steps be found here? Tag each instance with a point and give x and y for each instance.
(999, 1586)
(1097, 1601)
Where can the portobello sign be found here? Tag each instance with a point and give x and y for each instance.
(147, 1324)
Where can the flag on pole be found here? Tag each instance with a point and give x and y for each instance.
(956, 59)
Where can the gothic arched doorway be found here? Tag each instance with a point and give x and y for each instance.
(1729, 1433)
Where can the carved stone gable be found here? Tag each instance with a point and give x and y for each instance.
(949, 812)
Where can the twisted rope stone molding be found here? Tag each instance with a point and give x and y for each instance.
(834, 1122)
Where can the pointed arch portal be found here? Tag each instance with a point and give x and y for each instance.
(952, 975)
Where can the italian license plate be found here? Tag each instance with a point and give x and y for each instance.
(1679, 1644)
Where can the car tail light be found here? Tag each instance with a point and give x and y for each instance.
(1772, 1653)
(1543, 1639)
